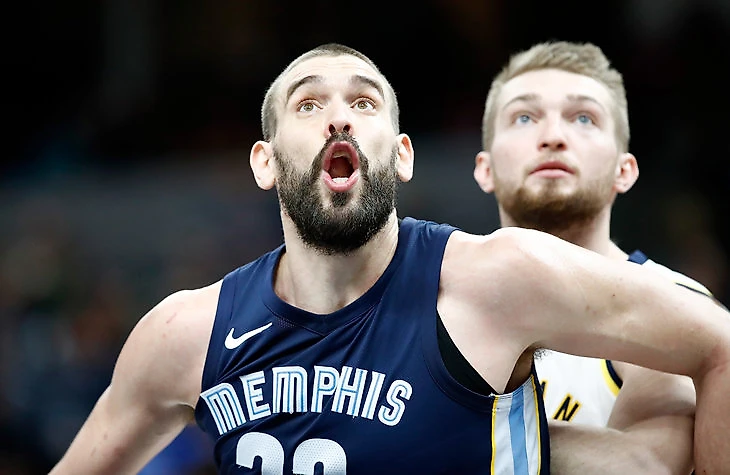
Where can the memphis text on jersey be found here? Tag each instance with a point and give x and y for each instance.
(354, 392)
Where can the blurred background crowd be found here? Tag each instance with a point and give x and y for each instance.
(131, 121)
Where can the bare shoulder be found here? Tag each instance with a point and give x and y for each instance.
(483, 301)
(184, 313)
(497, 258)
(166, 350)
(516, 279)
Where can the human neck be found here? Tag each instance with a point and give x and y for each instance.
(594, 234)
(322, 284)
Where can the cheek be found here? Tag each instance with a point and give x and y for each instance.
(599, 141)
(506, 170)
(599, 151)
(509, 155)
(376, 147)
(600, 165)
(515, 139)
(299, 147)
(300, 127)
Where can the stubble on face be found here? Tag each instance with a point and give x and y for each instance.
(340, 227)
(550, 208)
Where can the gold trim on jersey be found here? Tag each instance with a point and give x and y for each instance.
(516, 432)
(537, 403)
(611, 382)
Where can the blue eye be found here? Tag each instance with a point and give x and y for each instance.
(584, 119)
(523, 119)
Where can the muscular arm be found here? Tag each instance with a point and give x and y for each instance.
(579, 448)
(650, 430)
(150, 400)
(658, 410)
(582, 303)
(653, 323)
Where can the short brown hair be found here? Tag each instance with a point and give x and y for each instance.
(585, 59)
(268, 110)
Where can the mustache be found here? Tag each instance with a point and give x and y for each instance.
(340, 137)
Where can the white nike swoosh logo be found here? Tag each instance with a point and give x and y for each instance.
(233, 343)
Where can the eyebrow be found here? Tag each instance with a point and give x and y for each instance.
(522, 97)
(357, 79)
(532, 97)
(584, 98)
(297, 84)
(360, 80)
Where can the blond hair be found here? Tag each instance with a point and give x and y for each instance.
(585, 59)
(268, 109)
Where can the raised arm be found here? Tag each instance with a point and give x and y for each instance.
(583, 303)
(526, 289)
(151, 398)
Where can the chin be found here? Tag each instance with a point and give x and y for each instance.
(552, 191)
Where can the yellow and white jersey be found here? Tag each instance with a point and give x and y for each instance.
(580, 389)
(576, 388)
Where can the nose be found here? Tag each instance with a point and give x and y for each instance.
(335, 128)
(552, 137)
(339, 121)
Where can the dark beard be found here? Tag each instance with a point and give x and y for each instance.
(337, 230)
(549, 210)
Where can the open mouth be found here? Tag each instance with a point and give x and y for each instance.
(341, 161)
(341, 166)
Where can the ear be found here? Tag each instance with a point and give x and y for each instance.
(483, 171)
(405, 158)
(627, 172)
(262, 164)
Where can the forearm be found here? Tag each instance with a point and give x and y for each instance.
(656, 410)
(581, 449)
(712, 422)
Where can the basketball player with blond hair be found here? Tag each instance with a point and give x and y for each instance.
(556, 154)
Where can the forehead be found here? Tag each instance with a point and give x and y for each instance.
(554, 85)
(331, 69)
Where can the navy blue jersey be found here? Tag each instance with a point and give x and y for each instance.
(363, 390)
